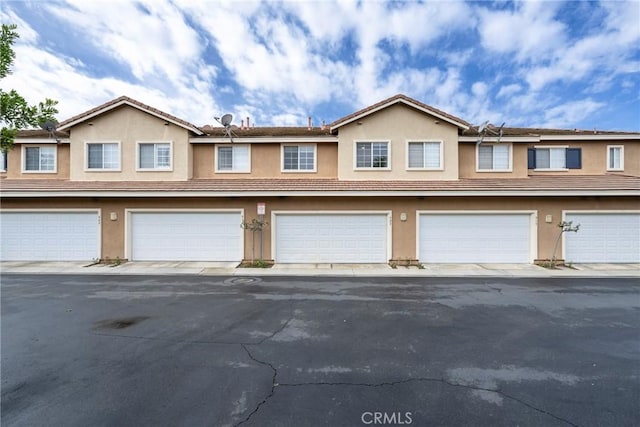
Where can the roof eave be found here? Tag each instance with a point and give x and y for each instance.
(322, 193)
(263, 139)
(339, 124)
(19, 140)
(122, 102)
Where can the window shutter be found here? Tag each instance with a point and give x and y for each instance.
(531, 158)
(574, 158)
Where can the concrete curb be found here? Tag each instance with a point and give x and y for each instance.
(323, 270)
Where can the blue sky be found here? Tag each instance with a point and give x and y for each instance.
(572, 64)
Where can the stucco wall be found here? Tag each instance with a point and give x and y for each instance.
(266, 162)
(14, 163)
(128, 126)
(468, 162)
(398, 124)
(594, 159)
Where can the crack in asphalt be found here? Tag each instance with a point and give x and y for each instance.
(271, 392)
(273, 369)
(427, 379)
(277, 331)
(275, 384)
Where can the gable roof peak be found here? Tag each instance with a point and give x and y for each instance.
(400, 98)
(125, 100)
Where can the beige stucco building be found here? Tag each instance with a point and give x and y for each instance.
(398, 181)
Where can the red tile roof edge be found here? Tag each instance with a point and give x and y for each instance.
(394, 99)
(106, 106)
(533, 184)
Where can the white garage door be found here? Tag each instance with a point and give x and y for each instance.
(475, 238)
(603, 237)
(186, 236)
(49, 236)
(331, 238)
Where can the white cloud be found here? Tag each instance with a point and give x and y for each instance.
(150, 37)
(277, 62)
(569, 114)
(508, 90)
(529, 33)
(27, 34)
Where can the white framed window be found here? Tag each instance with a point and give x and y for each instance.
(372, 155)
(493, 157)
(233, 158)
(424, 155)
(551, 158)
(3, 161)
(554, 158)
(154, 156)
(39, 159)
(299, 158)
(615, 157)
(102, 156)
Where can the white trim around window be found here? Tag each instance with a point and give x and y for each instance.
(3, 161)
(156, 157)
(557, 156)
(110, 156)
(615, 158)
(499, 160)
(235, 158)
(375, 147)
(42, 157)
(425, 155)
(303, 159)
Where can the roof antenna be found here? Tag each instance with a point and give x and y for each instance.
(50, 127)
(482, 131)
(488, 129)
(226, 122)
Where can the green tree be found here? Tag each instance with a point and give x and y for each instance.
(15, 111)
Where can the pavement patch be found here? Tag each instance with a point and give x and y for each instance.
(122, 323)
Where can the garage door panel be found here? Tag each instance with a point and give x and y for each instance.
(331, 238)
(603, 237)
(475, 238)
(186, 236)
(49, 236)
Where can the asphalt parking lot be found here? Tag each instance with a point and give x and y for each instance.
(308, 351)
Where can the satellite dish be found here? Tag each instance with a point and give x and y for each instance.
(50, 126)
(500, 131)
(226, 120)
(488, 129)
(482, 129)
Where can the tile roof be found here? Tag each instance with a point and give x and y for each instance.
(278, 186)
(393, 100)
(114, 103)
(40, 133)
(514, 131)
(268, 131)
